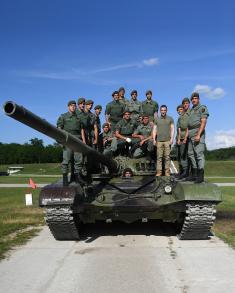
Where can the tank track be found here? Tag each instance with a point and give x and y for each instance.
(61, 223)
(198, 221)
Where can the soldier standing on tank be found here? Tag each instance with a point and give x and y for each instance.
(98, 109)
(196, 134)
(180, 110)
(135, 107)
(121, 94)
(150, 107)
(144, 133)
(124, 130)
(114, 111)
(109, 141)
(163, 130)
(91, 125)
(81, 106)
(182, 139)
(71, 123)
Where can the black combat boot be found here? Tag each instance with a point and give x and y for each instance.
(65, 180)
(200, 176)
(191, 177)
(78, 179)
(183, 175)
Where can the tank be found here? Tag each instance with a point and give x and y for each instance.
(109, 196)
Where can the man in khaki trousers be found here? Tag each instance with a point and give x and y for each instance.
(163, 134)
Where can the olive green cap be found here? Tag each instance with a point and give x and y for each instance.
(185, 100)
(121, 89)
(134, 92)
(98, 107)
(148, 92)
(81, 100)
(88, 102)
(71, 102)
(194, 94)
(105, 124)
(179, 106)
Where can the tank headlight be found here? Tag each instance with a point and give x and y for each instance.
(168, 189)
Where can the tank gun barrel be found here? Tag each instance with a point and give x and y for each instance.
(28, 118)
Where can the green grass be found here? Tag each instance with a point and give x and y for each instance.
(220, 168)
(43, 169)
(16, 218)
(224, 226)
(220, 180)
(25, 179)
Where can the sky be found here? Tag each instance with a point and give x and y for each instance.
(55, 51)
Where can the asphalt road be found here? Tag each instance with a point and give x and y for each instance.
(120, 258)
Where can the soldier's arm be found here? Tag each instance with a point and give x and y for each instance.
(154, 134)
(96, 134)
(178, 135)
(172, 133)
(186, 136)
(201, 129)
(60, 122)
(156, 110)
(137, 134)
(83, 135)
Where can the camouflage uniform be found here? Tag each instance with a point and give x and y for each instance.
(196, 149)
(149, 108)
(146, 131)
(71, 123)
(115, 111)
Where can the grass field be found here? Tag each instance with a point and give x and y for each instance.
(18, 223)
(25, 180)
(225, 221)
(43, 169)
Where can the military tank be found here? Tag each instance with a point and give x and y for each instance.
(109, 196)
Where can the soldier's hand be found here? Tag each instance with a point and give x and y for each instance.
(154, 142)
(185, 141)
(95, 141)
(171, 141)
(178, 141)
(197, 138)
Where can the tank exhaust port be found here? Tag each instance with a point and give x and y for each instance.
(144, 220)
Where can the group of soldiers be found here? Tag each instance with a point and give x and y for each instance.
(134, 128)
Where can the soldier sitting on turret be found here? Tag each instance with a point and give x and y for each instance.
(109, 141)
(144, 133)
(124, 131)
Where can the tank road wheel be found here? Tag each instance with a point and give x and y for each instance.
(62, 223)
(198, 221)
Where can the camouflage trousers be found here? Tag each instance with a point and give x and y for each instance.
(163, 152)
(196, 154)
(67, 155)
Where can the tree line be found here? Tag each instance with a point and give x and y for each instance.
(34, 151)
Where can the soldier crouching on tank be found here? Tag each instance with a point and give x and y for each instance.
(144, 133)
(124, 130)
(196, 133)
(71, 123)
(109, 141)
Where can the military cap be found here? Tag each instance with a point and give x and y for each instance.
(88, 102)
(133, 92)
(126, 111)
(98, 107)
(71, 102)
(81, 100)
(148, 92)
(179, 106)
(115, 93)
(185, 100)
(145, 115)
(195, 94)
(121, 89)
(105, 125)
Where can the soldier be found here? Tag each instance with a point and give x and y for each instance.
(182, 140)
(109, 141)
(135, 107)
(150, 107)
(179, 110)
(71, 123)
(91, 125)
(114, 111)
(144, 133)
(164, 131)
(122, 99)
(196, 134)
(124, 130)
(81, 106)
(98, 109)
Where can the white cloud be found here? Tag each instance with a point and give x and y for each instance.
(221, 139)
(151, 62)
(209, 92)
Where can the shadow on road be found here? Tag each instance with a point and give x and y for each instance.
(90, 232)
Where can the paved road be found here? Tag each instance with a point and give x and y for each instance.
(120, 258)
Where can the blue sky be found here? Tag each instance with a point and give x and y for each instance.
(54, 51)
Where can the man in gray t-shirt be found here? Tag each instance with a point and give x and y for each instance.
(163, 134)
